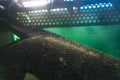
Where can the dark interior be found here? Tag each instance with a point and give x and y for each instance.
(29, 50)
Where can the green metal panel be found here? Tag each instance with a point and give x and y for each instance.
(102, 38)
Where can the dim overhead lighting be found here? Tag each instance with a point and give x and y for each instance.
(2, 7)
(36, 3)
(100, 5)
(16, 0)
(68, 0)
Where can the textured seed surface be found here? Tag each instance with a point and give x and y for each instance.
(50, 57)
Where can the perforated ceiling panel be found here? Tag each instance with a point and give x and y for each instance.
(85, 14)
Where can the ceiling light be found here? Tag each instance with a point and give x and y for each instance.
(36, 3)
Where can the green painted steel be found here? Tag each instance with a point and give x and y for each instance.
(102, 38)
